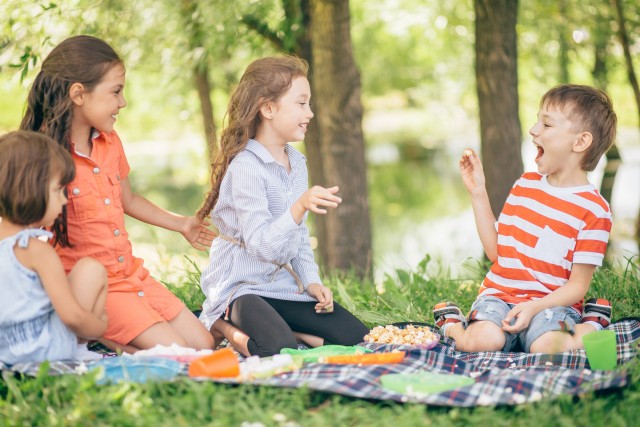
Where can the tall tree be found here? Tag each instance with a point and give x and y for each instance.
(497, 86)
(338, 108)
(602, 35)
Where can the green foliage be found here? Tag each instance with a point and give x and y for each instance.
(620, 286)
(411, 192)
(406, 295)
(188, 290)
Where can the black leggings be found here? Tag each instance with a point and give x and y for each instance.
(270, 323)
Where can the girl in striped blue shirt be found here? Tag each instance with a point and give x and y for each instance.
(262, 276)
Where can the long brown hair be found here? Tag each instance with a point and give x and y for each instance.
(78, 59)
(265, 80)
(28, 162)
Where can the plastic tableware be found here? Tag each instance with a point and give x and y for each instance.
(365, 359)
(424, 346)
(220, 364)
(136, 369)
(312, 354)
(255, 367)
(424, 382)
(600, 347)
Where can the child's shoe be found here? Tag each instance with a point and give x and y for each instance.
(597, 310)
(446, 314)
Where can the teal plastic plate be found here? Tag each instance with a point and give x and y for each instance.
(423, 382)
(136, 369)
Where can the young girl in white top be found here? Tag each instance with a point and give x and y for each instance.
(262, 275)
(46, 314)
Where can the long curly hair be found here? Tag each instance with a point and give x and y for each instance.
(265, 80)
(79, 59)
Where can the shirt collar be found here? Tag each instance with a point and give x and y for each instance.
(263, 154)
(96, 136)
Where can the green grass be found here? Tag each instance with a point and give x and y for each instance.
(405, 295)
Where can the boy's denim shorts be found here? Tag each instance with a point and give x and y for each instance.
(550, 319)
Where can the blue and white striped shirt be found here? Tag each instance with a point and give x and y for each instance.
(253, 207)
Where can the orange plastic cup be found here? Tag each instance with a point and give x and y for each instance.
(219, 364)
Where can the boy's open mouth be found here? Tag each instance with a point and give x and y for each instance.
(540, 152)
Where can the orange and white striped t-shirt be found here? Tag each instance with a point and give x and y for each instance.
(542, 231)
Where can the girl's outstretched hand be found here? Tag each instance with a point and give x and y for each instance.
(471, 171)
(324, 297)
(197, 233)
(314, 199)
(318, 196)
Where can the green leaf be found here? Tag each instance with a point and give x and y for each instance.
(345, 298)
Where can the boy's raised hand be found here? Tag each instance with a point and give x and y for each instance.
(197, 233)
(314, 199)
(471, 171)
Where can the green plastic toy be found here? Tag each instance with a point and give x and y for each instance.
(312, 354)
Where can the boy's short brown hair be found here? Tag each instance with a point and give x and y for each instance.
(28, 161)
(590, 110)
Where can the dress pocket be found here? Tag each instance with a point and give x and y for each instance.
(116, 190)
(553, 247)
(81, 204)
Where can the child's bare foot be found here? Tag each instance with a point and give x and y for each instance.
(218, 336)
(237, 339)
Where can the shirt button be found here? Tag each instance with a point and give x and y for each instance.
(96, 170)
(107, 201)
(75, 191)
(140, 293)
(116, 233)
(120, 258)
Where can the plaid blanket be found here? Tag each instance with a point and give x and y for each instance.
(501, 378)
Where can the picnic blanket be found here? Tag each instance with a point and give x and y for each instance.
(500, 378)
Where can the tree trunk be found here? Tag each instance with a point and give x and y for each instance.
(203, 86)
(497, 86)
(633, 81)
(338, 113)
(601, 36)
(196, 39)
(312, 137)
(564, 42)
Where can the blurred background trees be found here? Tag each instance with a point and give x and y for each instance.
(399, 88)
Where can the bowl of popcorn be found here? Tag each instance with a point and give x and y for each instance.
(403, 334)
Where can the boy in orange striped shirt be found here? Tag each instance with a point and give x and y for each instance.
(551, 235)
